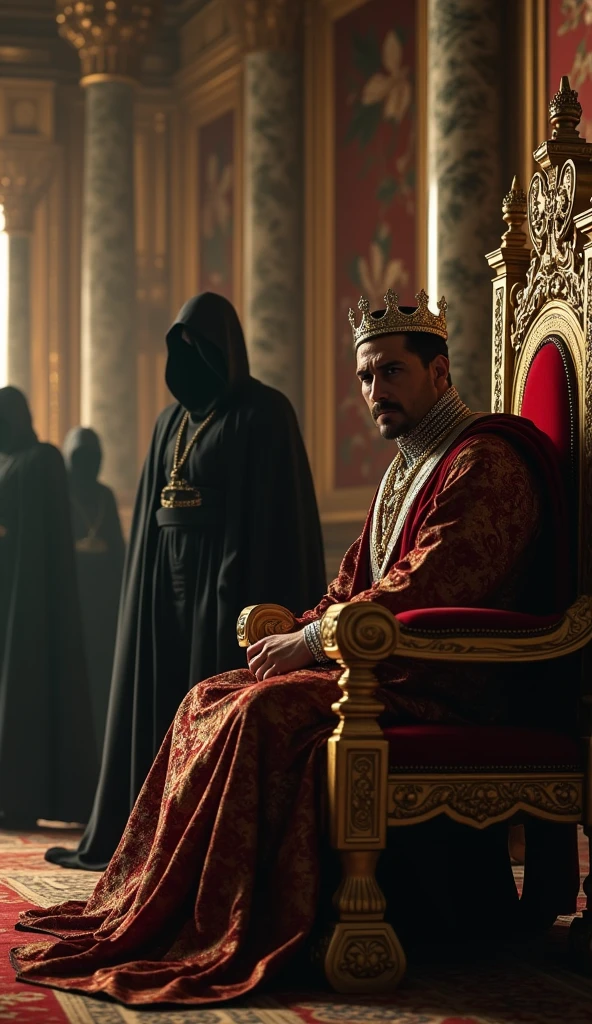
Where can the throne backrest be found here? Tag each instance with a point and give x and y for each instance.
(547, 394)
(542, 309)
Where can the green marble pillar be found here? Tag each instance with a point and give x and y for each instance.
(108, 364)
(464, 180)
(273, 242)
(19, 312)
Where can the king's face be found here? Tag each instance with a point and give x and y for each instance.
(397, 388)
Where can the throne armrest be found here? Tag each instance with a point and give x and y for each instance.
(259, 620)
(462, 634)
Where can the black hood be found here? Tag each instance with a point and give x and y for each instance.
(83, 455)
(205, 373)
(16, 424)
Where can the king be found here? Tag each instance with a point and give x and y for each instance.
(218, 879)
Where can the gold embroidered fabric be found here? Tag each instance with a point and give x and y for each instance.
(431, 438)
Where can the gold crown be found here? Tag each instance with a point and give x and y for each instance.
(394, 321)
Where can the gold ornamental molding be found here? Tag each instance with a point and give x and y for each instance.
(26, 169)
(483, 799)
(109, 35)
(364, 630)
(558, 192)
(269, 24)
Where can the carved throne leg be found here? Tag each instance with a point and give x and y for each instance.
(580, 931)
(363, 954)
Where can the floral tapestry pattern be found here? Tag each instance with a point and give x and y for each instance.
(375, 248)
(216, 205)
(569, 52)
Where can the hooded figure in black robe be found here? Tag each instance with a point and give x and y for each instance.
(100, 550)
(252, 535)
(48, 758)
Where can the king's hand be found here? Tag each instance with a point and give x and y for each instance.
(276, 655)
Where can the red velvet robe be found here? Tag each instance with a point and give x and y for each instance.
(215, 883)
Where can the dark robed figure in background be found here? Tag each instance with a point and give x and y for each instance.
(225, 516)
(99, 545)
(48, 759)
(219, 877)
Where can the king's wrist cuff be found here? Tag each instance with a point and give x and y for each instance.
(312, 639)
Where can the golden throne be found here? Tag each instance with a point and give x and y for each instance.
(542, 368)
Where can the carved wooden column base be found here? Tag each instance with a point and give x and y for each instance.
(364, 957)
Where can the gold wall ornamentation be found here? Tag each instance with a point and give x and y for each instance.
(109, 36)
(269, 24)
(26, 168)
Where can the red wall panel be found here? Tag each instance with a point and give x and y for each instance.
(375, 197)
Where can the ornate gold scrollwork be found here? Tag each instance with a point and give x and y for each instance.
(358, 632)
(260, 620)
(484, 799)
(363, 791)
(498, 350)
(556, 269)
(572, 633)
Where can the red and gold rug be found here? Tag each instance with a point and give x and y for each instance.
(526, 985)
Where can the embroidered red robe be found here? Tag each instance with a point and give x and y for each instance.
(215, 883)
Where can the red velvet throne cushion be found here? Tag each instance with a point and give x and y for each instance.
(481, 748)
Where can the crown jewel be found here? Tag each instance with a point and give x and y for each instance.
(394, 321)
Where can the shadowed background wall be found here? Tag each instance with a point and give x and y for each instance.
(290, 156)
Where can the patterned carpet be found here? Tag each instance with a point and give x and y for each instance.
(530, 984)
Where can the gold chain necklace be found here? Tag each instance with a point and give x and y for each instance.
(178, 493)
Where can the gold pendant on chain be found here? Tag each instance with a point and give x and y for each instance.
(178, 494)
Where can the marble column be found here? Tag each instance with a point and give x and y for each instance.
(26, 168)
(108, 350)
(464, 180)
(109, 39)
(274, 195)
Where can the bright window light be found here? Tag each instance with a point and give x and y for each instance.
(3, 302)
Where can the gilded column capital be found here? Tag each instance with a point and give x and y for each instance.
(269, 24)
(109, 35)
(26, 169)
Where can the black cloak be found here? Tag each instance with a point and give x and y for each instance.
(100, 551)
(48, 759)
(265, 545)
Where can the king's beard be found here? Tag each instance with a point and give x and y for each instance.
(391, 431)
